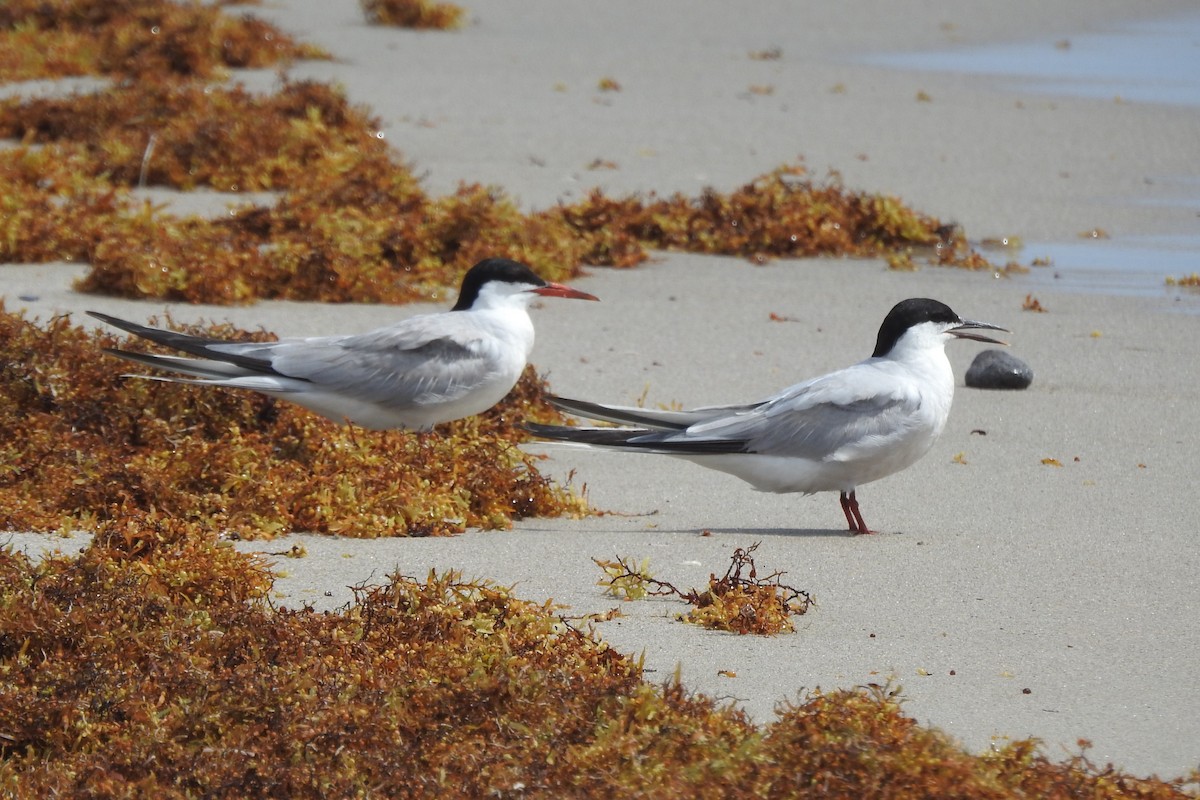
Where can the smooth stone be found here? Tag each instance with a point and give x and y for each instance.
(999, 369)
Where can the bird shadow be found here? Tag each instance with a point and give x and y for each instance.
(830, 533)
(790, 532)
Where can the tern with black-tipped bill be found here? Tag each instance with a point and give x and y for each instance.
(829, 434)
(414, 374)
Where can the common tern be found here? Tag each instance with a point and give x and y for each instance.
(414, 374)
(832, 433)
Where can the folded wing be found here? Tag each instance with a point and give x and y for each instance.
(819, 420)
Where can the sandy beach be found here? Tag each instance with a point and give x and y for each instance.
(1009, 595)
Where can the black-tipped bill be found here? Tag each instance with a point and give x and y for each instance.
(559, 290)
(967, 330)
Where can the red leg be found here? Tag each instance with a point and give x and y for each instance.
(853, 515)
(845, 498)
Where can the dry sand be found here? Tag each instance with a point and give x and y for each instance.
(1007, 597)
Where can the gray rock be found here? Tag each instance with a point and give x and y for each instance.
(999, 369)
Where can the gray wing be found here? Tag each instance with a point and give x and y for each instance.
(394, 367)
(828, 417)
(419, 360)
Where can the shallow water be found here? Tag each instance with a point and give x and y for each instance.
(1151, 61)
(1133, 265)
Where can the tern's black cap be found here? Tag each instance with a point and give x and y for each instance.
(905, 315)
(493, 269)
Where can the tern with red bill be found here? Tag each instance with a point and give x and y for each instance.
(414, 374)
(829, 434)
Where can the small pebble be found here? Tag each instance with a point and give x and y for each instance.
(999, 369)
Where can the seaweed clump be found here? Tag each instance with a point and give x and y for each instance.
(154, 665)
(420, 14)
(735, 602)
(352, 224)
(781, 214)
(1191, 281)
(186, 134)
(97, 449)
(136, 38)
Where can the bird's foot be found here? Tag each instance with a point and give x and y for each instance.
(853, 515)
